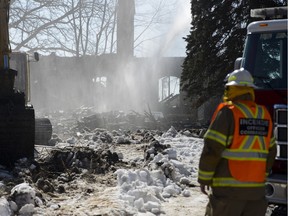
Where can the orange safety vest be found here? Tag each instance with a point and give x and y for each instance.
(219, 107)
(247, 155)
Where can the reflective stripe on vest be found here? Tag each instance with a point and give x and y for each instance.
(204, 175)
(231, 182)
(216, 136)
(249, 155)
(272, 141)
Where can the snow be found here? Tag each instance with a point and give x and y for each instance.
(165, 183)
(143, 191)
(4, 207)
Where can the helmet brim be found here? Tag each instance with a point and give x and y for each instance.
(235, 83)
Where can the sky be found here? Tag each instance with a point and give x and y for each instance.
(171, 42)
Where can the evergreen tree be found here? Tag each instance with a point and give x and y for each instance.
(216, 39)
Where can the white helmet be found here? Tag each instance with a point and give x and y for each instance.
(240, 77)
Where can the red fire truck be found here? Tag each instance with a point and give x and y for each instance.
(265, 56)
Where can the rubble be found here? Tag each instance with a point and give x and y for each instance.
(97, 171)
(82, 151)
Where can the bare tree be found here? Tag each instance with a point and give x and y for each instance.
(68, 27)
(77, 27)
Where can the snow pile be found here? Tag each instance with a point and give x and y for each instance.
(22, 201)
(5, 207)
(145, 190)
(167, 176)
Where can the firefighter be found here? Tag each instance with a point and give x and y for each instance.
(238, 153)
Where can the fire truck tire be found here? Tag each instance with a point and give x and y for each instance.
(279, 211)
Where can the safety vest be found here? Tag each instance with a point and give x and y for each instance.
(219, 107)
(248, 151)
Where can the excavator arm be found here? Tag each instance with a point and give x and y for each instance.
(5, 49)
(7, 75)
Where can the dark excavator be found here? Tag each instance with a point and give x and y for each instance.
(17, 115)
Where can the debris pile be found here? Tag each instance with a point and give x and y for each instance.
(81, 160)
(27, 185)
(87, 119)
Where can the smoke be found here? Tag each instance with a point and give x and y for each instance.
(171, 43)
(107, 83)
